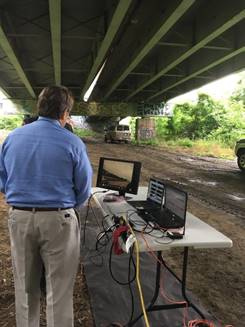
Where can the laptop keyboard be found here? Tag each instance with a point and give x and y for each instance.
(142, 205)
(165, 219)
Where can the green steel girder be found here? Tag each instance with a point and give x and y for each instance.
(116, 21)
(210, 35)
(217, 72)
(55, 24)
(174, 16)
(200, 71)
(4, 43)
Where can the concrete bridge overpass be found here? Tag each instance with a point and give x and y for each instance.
(146, 51)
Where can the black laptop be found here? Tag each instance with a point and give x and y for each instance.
(165, 205)
(154, 198)
(173, 211)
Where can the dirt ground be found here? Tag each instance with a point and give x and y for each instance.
(216, 190)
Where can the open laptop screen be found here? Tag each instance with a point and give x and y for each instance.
(175, 201)
(155, 191)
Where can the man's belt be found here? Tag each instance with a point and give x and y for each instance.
(39, 209)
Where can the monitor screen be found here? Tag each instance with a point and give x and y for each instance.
(119, 175)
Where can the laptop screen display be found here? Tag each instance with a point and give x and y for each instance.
(155, 191)
(175, 201)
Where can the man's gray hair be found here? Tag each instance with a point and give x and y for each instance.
(53, 101)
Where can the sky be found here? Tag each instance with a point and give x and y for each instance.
(220, 89)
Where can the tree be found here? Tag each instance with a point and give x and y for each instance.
(199, 120)
(239, 94)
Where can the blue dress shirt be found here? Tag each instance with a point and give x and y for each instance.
(44, 165)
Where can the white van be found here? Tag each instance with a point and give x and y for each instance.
(118, 133)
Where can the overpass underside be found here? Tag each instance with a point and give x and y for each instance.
(146, 51)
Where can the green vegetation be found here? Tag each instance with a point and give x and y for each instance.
(10, 122)
(81, 132)
(208, 127)
(207, 120)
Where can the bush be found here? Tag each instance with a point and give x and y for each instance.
(82, 132)
(10, 122)
(185, 142)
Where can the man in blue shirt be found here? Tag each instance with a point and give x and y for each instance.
(45, 173)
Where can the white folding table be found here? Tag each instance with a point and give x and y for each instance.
(198, 235)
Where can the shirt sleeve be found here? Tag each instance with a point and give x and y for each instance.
(82, 176)
(3, 173)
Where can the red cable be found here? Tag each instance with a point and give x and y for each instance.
(191, 323)
(185, 316)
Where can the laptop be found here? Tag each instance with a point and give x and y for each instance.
(173, 211)
(165, 205)
(154, 198)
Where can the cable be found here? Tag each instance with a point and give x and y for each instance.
(86, 216)
(99, 238)
(185, 312)
(92, 209)
(200, 323)
(100, 248)
(102, 239)
(191, 323)
(112, 275)
(138, 275)
(138, 222)
(130, 280)
(129, 285)
(161, 288)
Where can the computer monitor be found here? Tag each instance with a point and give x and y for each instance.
(119, 175)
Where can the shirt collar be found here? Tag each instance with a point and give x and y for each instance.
(51, 120)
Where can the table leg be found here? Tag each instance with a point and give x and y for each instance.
(151, 306)
(183, 281)
(184, 274)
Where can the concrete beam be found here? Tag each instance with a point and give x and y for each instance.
(116, 21)
(55, 25)
(173, 17)
(213, 31)
(200, 71)
(4, 43)
(113, 109)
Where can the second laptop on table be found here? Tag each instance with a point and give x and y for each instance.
(166, 205)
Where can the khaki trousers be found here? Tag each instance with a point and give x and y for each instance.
(51, 238)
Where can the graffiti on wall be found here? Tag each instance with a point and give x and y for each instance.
(153, 109)
(145, 133)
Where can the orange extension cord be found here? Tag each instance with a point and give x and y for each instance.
(191, 323)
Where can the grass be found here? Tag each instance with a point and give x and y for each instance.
(196, 148)
(212, 149)
(81, 132)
